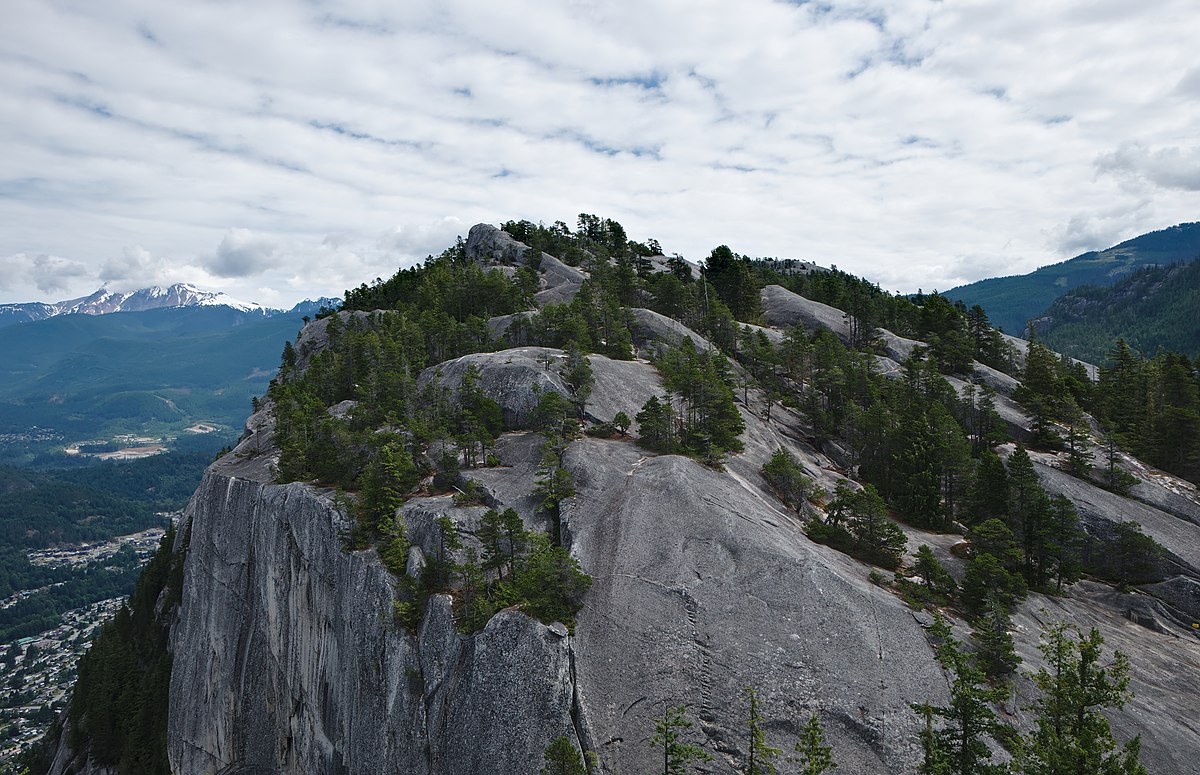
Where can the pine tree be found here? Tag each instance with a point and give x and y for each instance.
(933, 575)
(654, 425)
(994, 566)
(1040, 379)
(733, 280)
(960, 746)
(1134, 555)
(996, 653)
(503, 537)
(862, 318)
(787, 478)
(1073, 735)
(1116, 478)
(812, 755)
(989, 494)
(933, 758)
(477, 607)
(762, 756)
(1028, 512)
(562, 758)
(388, 477)
(577, 373)
(441, 567)
(1061, 543)
(1079, 454)
(677, 754)
(879, 538)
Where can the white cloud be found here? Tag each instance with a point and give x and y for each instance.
(243, 253)
(1173, 167)
(49, 274)
(303, 148)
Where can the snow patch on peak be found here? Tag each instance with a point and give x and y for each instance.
(105, 301)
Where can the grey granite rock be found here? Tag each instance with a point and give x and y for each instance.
(704, 586)
(288, 659)
(514, 378)
(499, 325)
(783, 309)
(492, 246)
(652, 331)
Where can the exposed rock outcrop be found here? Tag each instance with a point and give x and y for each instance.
(515, 378)
(783, 308)
(492, 246)
(653, 331)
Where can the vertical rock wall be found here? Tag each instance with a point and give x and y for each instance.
(287, 658)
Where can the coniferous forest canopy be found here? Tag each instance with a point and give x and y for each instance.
(934, 457)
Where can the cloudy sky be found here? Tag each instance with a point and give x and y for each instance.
(279, 149)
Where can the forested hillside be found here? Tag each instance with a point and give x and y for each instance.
(1013, 301)
(40, 509)
(1153, 309)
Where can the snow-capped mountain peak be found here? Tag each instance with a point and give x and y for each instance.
(105, 301)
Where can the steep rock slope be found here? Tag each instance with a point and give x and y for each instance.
(286, 657)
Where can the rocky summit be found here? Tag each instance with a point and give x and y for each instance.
(288, 654)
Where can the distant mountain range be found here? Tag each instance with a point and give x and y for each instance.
(1155, 307)
(150, 362)
(104, 302)
(1011, 302)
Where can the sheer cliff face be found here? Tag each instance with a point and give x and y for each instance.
(287, 658)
